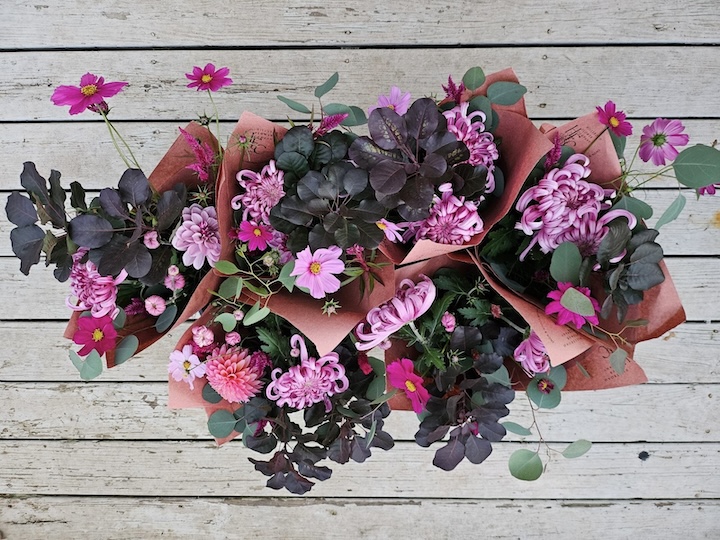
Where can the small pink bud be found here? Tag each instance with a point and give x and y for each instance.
(233, 338)
(448, 321)
(151, 240)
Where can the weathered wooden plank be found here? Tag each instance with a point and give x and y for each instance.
(562, 82)
(58, 517)
(37, 352)
(195, 468)
(655, 413)
(128, 24)
(19, 294)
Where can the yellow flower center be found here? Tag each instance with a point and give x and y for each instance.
(315, 268)
(206, 78)
(410, 386)
(88, 90)
(391, 107)
(614, 122)
(186, 365)
(97, 335)
(257, 232)
(381, 225)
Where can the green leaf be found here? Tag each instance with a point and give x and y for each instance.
(231, 287)
(697, 166)
(90, 367)
(500, 376)
(294, 105)
(285, 278)
(166, 318)
(505, 93)
(371, 434)
(474, 78)
(558, 375)
(255, 314)
(328, 85)
(544, 400)
(619, 144)
(357, 117)
(525, 465)
(583, 370)
(227, 268)
(577, 302)
(383, 398)
(565, 263)
(210, 395)
(378, 365)
(376, 388)
(577, 449)
(617, 360)
(640, 209)
(227, 320)
(672, 212)
(119, 320)
(126, 348)
(512, 427)
(221, 424)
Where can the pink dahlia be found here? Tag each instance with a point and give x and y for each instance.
(95, 334)
(564, 314)
(256, 236)
(263, 190)
(204, 157)
(185, 366)
(198, 236)
(231, 372)
(208, 78)
(452, 220)
(397, 101)
(316, 270)
(614, 120)
(93, 291)
(401, 375)
(313, 381)
(92, 92)
(410, 302)
(532, 355)
(659, 139)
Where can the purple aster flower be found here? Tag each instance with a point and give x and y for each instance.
(452, 220)
(564, 314)
(614, 120)
(316, 270)
(198, 236)
(532, 355)
(263, 190)
(208, 78)
(397, 101)
(659, 139)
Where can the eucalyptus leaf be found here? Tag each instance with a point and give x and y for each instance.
(697, 166)
(285, 278)
(575, 301)
(294, 105)
(226, 267)
(255, 314)
(227, 320)
(505, 93)
(617, 360)
(548, 399)
(119, 320)
(474, 78)
(640, 209)
(328, 85)
(525, 465)
(672, 212)
(231, 288)
(565, 263)
(577, 449)
(126, 348)
(166, 318)
(210, 395)
(221, 424)
(90, 367)
(512, 427)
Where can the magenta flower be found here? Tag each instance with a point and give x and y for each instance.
(95, 334)
(397, 101)
(393, 232)
(564, 314)
(401, 375)
(231, 372)
(92, 92)
(659, 139)
(155, 305)
(185, 366)
(198, 236)
(263, 190)
(364, 363)
(453, 91)
(553, 156)
(410, 301)
(452, 220)
(315, 270)
(135, 307)
(448, 321)
(256, 236)
(150, 239)
(614, 120)
(330, 122)
(93, 291)
(208, 78)
(204, 157)
(532, 355)
(708, 190)
(313, 381)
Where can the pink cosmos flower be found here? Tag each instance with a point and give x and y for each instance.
(452, 220)
(392, 231)
(185, 366)
(315, 270)
(91, 92)
(401, 375)
(155, 305)
(614, 120)
(328, 123)
(313, 381)
(708, 190)
(256, 236)
(659, 139)
(532, 355)
(204, 157)
(95, 334)
(232, 338)
(410, 302)
(448, 321)
(174, 282)
(453, 91)
(208, 78)
(202, 336)
(230, 371)
(565, 315)
(397, 101)
(198, 236)
(150, 239)
(263, 190)
(93, 291)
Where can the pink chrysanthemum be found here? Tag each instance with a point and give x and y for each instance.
(204, 157)
(564, 314)
(208, 78)
(589, 232)
(397, 101)
(92, 92)
(614, 120)
(256, 236)
(230, 371)
(452, 220)
(659, 139)
(198, 236)
(532, 355)
(401, 375)
(95, 334)
(313, 381)
(410, 302)
(392, 232)
(263, 190)
(316, 270)
(185, 366)
(93, 291)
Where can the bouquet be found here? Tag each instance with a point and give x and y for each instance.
(451, 256)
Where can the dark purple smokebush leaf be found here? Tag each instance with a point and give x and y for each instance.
(115, 255)
(422, 118)
(111, 203)
(90, 231)
(434, 166)
(367, 154)
(169, 206)
(36, 184)
(27, 243)
(134, 187)
(139, 260)
(477, 450)
(387, 128)
(450, 455)
(20, 210)
(388, 177)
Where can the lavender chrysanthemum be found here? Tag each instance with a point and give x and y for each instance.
(452, 220)
(93, 292)
(198, 236)
(532, 355)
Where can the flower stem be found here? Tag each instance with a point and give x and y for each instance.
(217, 122)
(115, 136)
